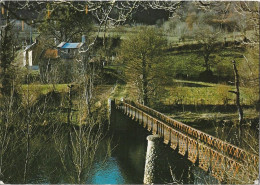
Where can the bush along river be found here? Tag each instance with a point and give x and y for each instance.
(119, 158)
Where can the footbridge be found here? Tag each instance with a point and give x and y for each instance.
(224, 161)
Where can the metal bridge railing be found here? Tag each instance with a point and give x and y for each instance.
(210, 153)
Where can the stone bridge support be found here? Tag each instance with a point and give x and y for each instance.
(151, 173)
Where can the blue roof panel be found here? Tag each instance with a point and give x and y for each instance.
(71, 45)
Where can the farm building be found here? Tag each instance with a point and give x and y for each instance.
(50, 54)
(67, 50)
(29, 55)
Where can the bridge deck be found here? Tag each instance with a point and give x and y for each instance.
(223, 160)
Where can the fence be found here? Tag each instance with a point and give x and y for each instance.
(221, 158)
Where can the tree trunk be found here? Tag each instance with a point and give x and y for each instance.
(28, 132)
(70, 105)
(239, 107)
(144, 83)
(27, 154)
(206, 59)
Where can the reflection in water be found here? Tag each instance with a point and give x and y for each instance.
(122, 164)
(131, 150)
(107, 174)
(131, 144)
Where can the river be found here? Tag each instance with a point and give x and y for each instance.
(127, 160)
(119, 159)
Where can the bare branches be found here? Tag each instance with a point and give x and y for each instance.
(170, 6)
(100, 10)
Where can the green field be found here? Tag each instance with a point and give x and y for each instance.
(185, 94)
(195, 93)
(173, 39)
(201, 93)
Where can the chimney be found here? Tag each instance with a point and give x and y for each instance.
(83, 39)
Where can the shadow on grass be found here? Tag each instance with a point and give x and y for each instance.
(200, 108)
(187, 84)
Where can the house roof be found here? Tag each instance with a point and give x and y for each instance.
(66, 45)
(29, 47)
(51, 54)
(61, 44)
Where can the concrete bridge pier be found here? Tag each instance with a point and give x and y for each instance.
(151, 172)
(111, 107)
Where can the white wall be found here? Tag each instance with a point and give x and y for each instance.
(24, 58)
(30, 57)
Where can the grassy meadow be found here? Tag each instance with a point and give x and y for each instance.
(191, 101)
(172, 38)
(56, 96)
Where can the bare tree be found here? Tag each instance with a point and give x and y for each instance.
(237, 93)
(10, 106)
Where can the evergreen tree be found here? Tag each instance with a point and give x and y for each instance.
(7, 55)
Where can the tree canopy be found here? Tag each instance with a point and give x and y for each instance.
(66, 24)
(142, 55)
